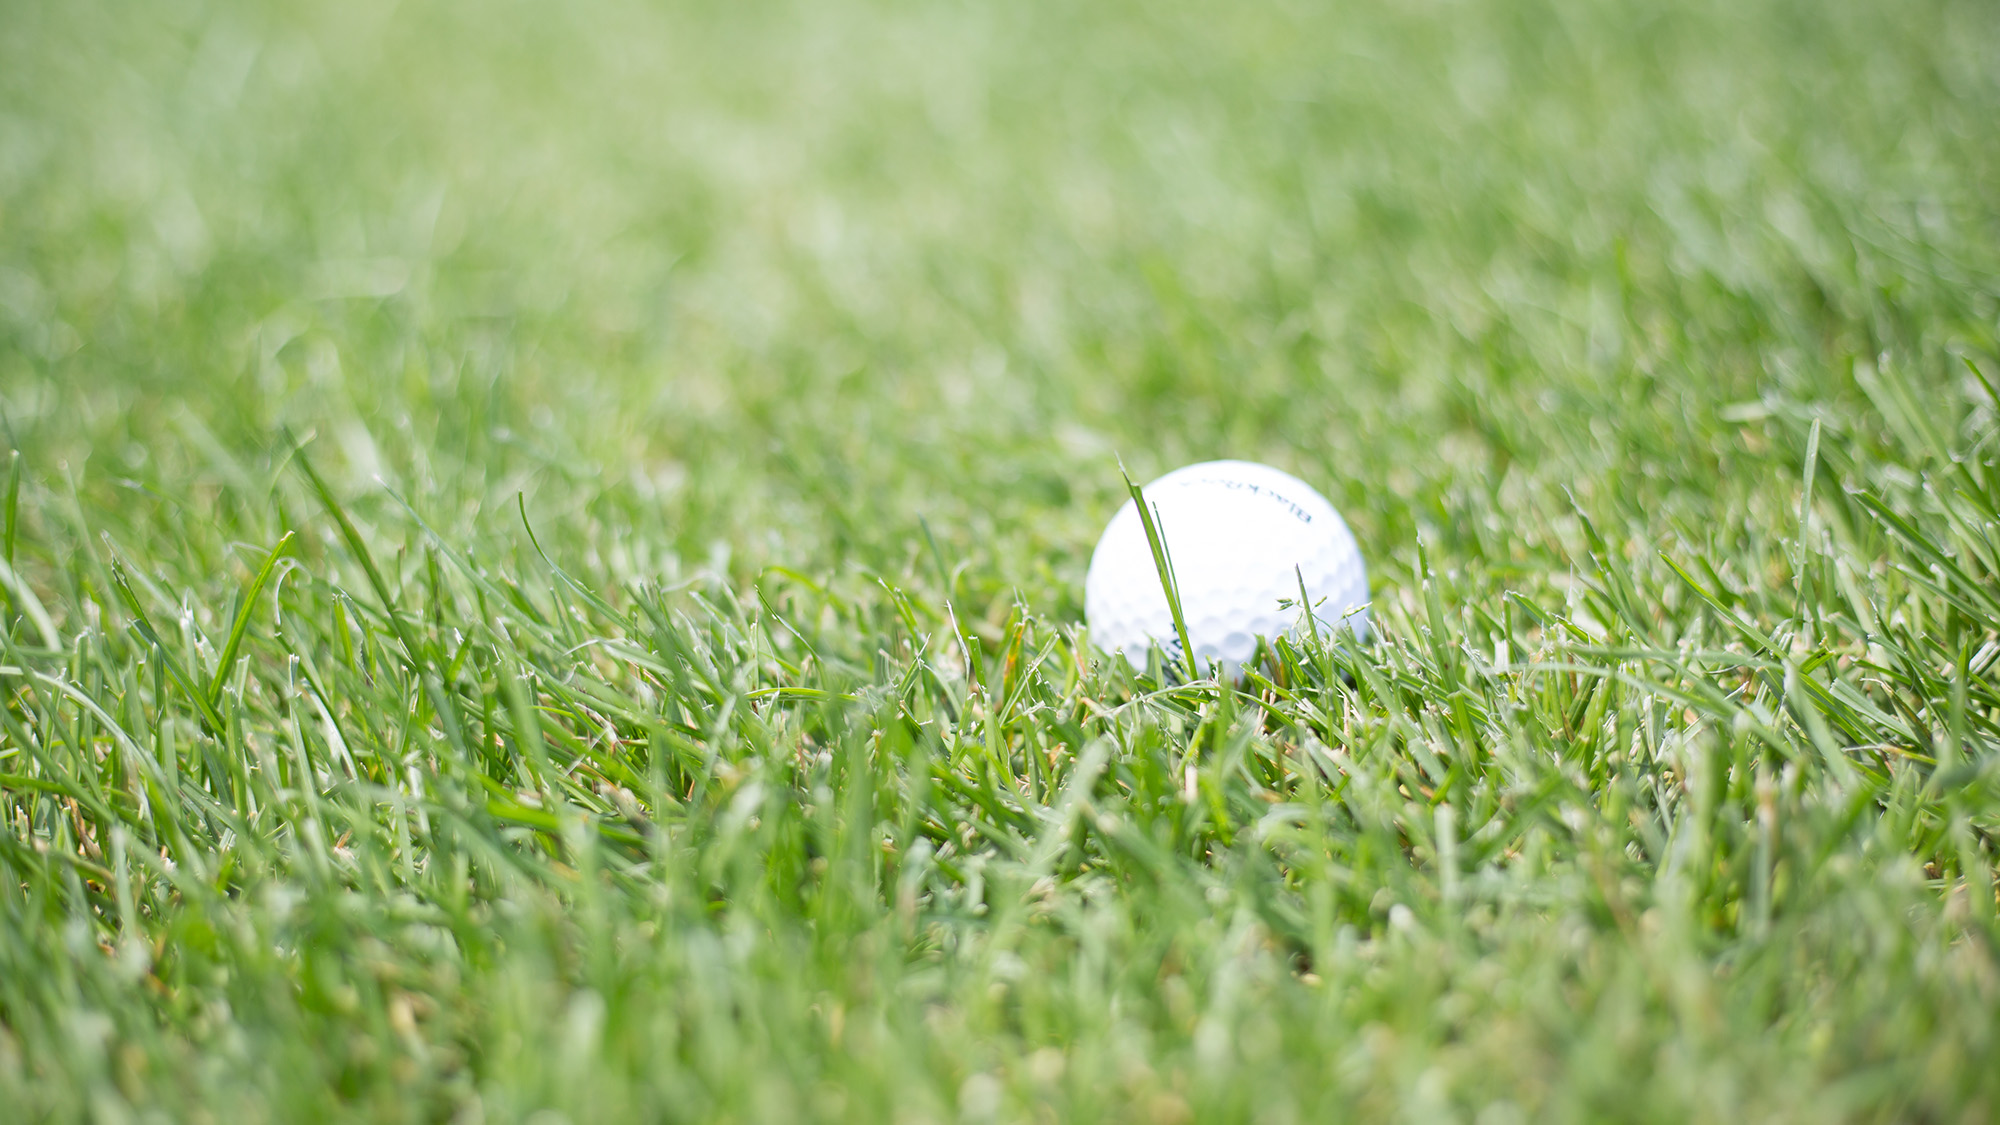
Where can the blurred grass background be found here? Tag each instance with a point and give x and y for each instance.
(693, 275)
(876, 294)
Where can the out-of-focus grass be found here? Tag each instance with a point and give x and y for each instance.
(1649, 351)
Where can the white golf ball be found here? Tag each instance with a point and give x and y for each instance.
(1240, 537)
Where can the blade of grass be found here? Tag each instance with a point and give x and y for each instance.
(1163, 565)
(144, 624)
(242, 622)
(13, 501)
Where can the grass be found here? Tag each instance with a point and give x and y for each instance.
(544, 556)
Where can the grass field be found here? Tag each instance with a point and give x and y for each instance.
(544, 553)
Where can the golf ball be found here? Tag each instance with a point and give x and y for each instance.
(1241, 538)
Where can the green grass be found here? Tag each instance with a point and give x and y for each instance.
(691, 425)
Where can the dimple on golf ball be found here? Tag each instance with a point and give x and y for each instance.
(1241, 538)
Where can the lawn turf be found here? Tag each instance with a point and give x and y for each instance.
(545, 545)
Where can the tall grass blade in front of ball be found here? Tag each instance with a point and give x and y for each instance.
(1164, 564)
